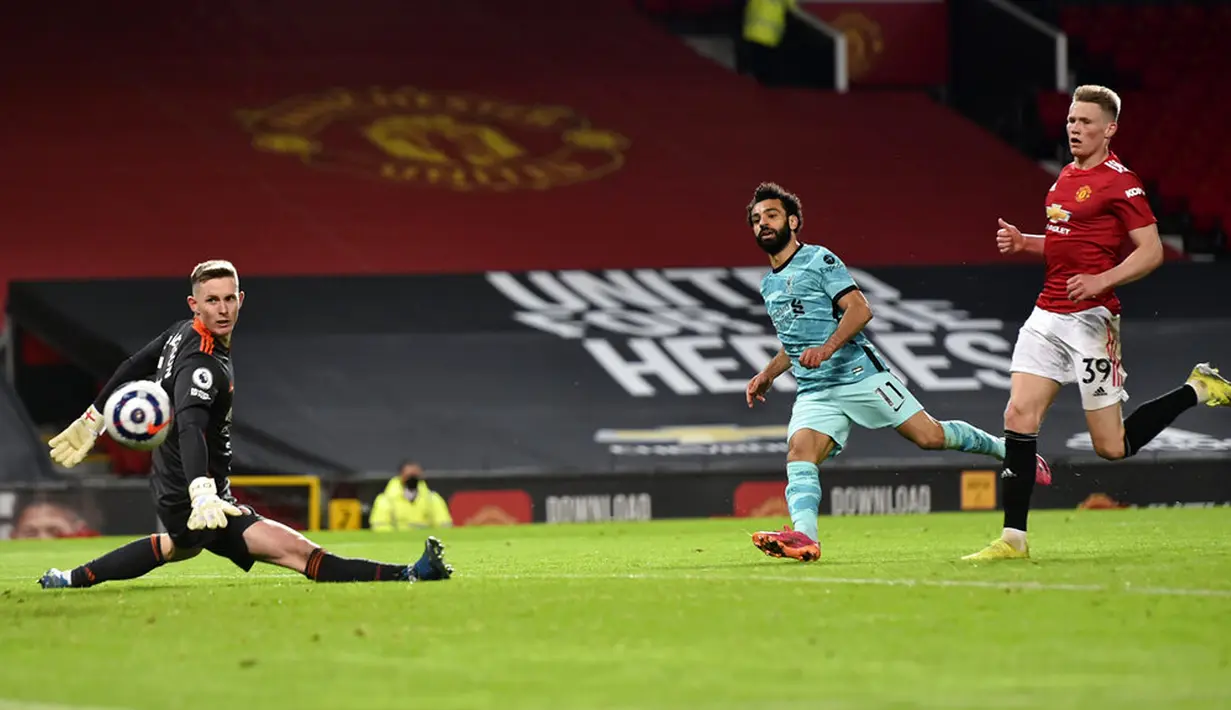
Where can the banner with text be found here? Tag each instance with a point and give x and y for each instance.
(848, 491)
(636, 370)
(126, 509)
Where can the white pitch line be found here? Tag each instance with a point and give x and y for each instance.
(1126, 588)
(8, 704)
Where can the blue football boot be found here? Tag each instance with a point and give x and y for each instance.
(55, 579)
(431, 566)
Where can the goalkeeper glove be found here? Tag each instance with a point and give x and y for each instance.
(70, 446)
(208, 510)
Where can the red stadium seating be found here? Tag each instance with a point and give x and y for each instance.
(126, 131)
(1171, 128)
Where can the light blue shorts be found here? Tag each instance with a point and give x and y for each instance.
(876, 402)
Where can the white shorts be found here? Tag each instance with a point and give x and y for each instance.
(1081, 347)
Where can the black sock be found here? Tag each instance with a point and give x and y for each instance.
(1017, 478)
(1152, 417)
(327, 567)
(133, 560)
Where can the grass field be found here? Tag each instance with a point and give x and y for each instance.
(1119, 609)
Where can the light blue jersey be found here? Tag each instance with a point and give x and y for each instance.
(801, 297)
(852, 388)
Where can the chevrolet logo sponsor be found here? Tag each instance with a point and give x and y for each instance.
(1056, 213)
(704, 434)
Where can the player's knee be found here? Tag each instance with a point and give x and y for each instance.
(1022, 419)
(805, 448)
(1110, 449)
(173, 553)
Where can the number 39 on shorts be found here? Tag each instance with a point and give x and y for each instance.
(1094, 368)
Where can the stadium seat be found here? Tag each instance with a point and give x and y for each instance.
(1175, 53)
(1207, 206)
(1076, 20)
(1053, 110)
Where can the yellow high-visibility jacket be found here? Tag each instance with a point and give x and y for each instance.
(765, 21)
(392, 512)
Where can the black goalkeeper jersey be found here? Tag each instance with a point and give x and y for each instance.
(195, 370)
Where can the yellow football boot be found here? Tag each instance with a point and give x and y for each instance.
(999, 550)
(1217, 388)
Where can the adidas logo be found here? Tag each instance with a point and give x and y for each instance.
(1169, 439)
(1100, 392)
(1008, 473)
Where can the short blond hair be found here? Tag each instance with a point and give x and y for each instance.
(212, 269)
(1106, 99)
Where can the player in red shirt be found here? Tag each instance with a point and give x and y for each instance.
(1073, 334)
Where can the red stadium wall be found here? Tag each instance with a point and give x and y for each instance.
(295, 138)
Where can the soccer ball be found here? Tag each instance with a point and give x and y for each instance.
(138, 415)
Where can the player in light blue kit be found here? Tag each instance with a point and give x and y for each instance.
(819, 313)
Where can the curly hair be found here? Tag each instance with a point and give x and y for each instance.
(774, 191)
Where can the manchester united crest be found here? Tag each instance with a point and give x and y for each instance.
(1083, 193)
(455, 141)
(864, 41)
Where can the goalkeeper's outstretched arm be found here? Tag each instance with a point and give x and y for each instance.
(140, 365)
(70, 446)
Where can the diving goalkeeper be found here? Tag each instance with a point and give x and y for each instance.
(189, 480)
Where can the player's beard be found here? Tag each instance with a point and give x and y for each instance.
(777, 242)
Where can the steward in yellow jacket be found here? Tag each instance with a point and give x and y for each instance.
(408, 504)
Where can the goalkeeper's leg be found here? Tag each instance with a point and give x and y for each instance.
(136, 559)
(272, 542)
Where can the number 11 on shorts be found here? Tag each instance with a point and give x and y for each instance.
(894, 397)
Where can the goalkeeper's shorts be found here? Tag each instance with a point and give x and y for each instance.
(225, 542)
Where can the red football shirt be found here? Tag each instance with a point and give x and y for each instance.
(1089, 215)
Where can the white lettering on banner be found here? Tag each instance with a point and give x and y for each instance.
(708, 372)
(706, 321)
(692, 331)
(758, 350)
(880, 500)
(965, 347)
(599, 508)
(632, 374)
(666, 289)
(638, 323)
(552, 322)
(616, 290)
(922, 369)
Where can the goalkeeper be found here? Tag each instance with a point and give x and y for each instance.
(189, 477)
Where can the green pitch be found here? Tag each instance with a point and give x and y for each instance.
(1119, 609)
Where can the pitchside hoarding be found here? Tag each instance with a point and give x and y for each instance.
(126, 510)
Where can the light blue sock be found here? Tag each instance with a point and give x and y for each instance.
(803, 496)
(960, 436)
